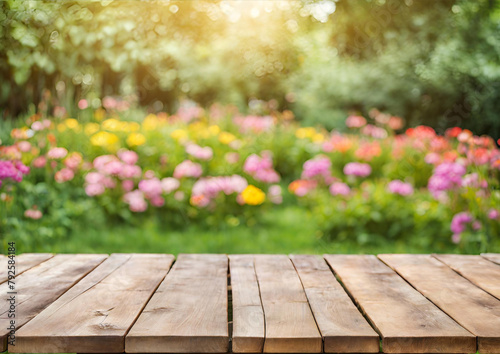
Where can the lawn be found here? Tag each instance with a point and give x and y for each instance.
(285, 230)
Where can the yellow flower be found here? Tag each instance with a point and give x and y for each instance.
(150, 122)
(318, 138)
(104, 139)
(61, 128)
(303, 133)
(136, 139)
(133, 126)
(91, 128)
(71, 123)
(179, 134)
(214, 129)
(226, 138)
(111, 124)
(99, 114)
(253, 196)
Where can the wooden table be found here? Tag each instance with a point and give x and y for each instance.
(214, 303)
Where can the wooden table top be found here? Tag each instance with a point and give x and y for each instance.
(215, 303)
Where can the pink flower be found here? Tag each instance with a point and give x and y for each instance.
(103, 160)
(274, 194)
(12, 170)
(493, 214)
(261, 168)
(170, 184)
(254, 162)
(446, 176)
(94, 189)
(210, 187)
(188, 168)
(39, 162)
(24, 146)
(400, 187)
(320, 166)
(94, 178)
(127, 185)
(357, 169)
(73, 161)
(374, 131)
(82, 104)
(57, 153)
(199, 200)
(267, 176)
(355, 121)
(37, 126)
(149, 174)
(151, 187)
(202, 153)
(128, 156)
(33, 214)
(135, 200)
(455, 238)
(157, 201)
(339, 188)
(22, 168)
(254, 124)
(433, 158)
(64, 175)
(130, 171)
(232, 157)
(113, 168)
(459, 222)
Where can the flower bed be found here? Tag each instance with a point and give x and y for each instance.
(217, 166)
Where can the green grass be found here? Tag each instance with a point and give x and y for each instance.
(287, 230)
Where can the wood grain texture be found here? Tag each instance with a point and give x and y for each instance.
(24, 262)
(342, 326)
(248, 316)
(471, 307)
(405, 319)
(188, 312)
(96, 313)
(290, 325)
(478, 270)
(41, 285)
(493, 257)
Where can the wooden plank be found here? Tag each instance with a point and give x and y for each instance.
(405, 319)
(493, 257)
(188, 312)
(476, 269)
(23, 262)
(248, 316)
(290, 325)
(38, 287)
(471, 307)
(342, 326)
(95, 315)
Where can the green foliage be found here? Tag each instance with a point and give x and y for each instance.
(435, 63)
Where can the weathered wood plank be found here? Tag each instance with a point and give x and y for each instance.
(405, 319)
(476, 269)
(188, 312)
(290, 325)
(96, 313)
(493, 257)
(248, 316)
(473, 308)
(342, 326)
(38, 287)
(23, 262)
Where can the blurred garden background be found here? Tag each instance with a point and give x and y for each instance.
(239, 126)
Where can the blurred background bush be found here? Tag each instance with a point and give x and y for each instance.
(432, 62)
